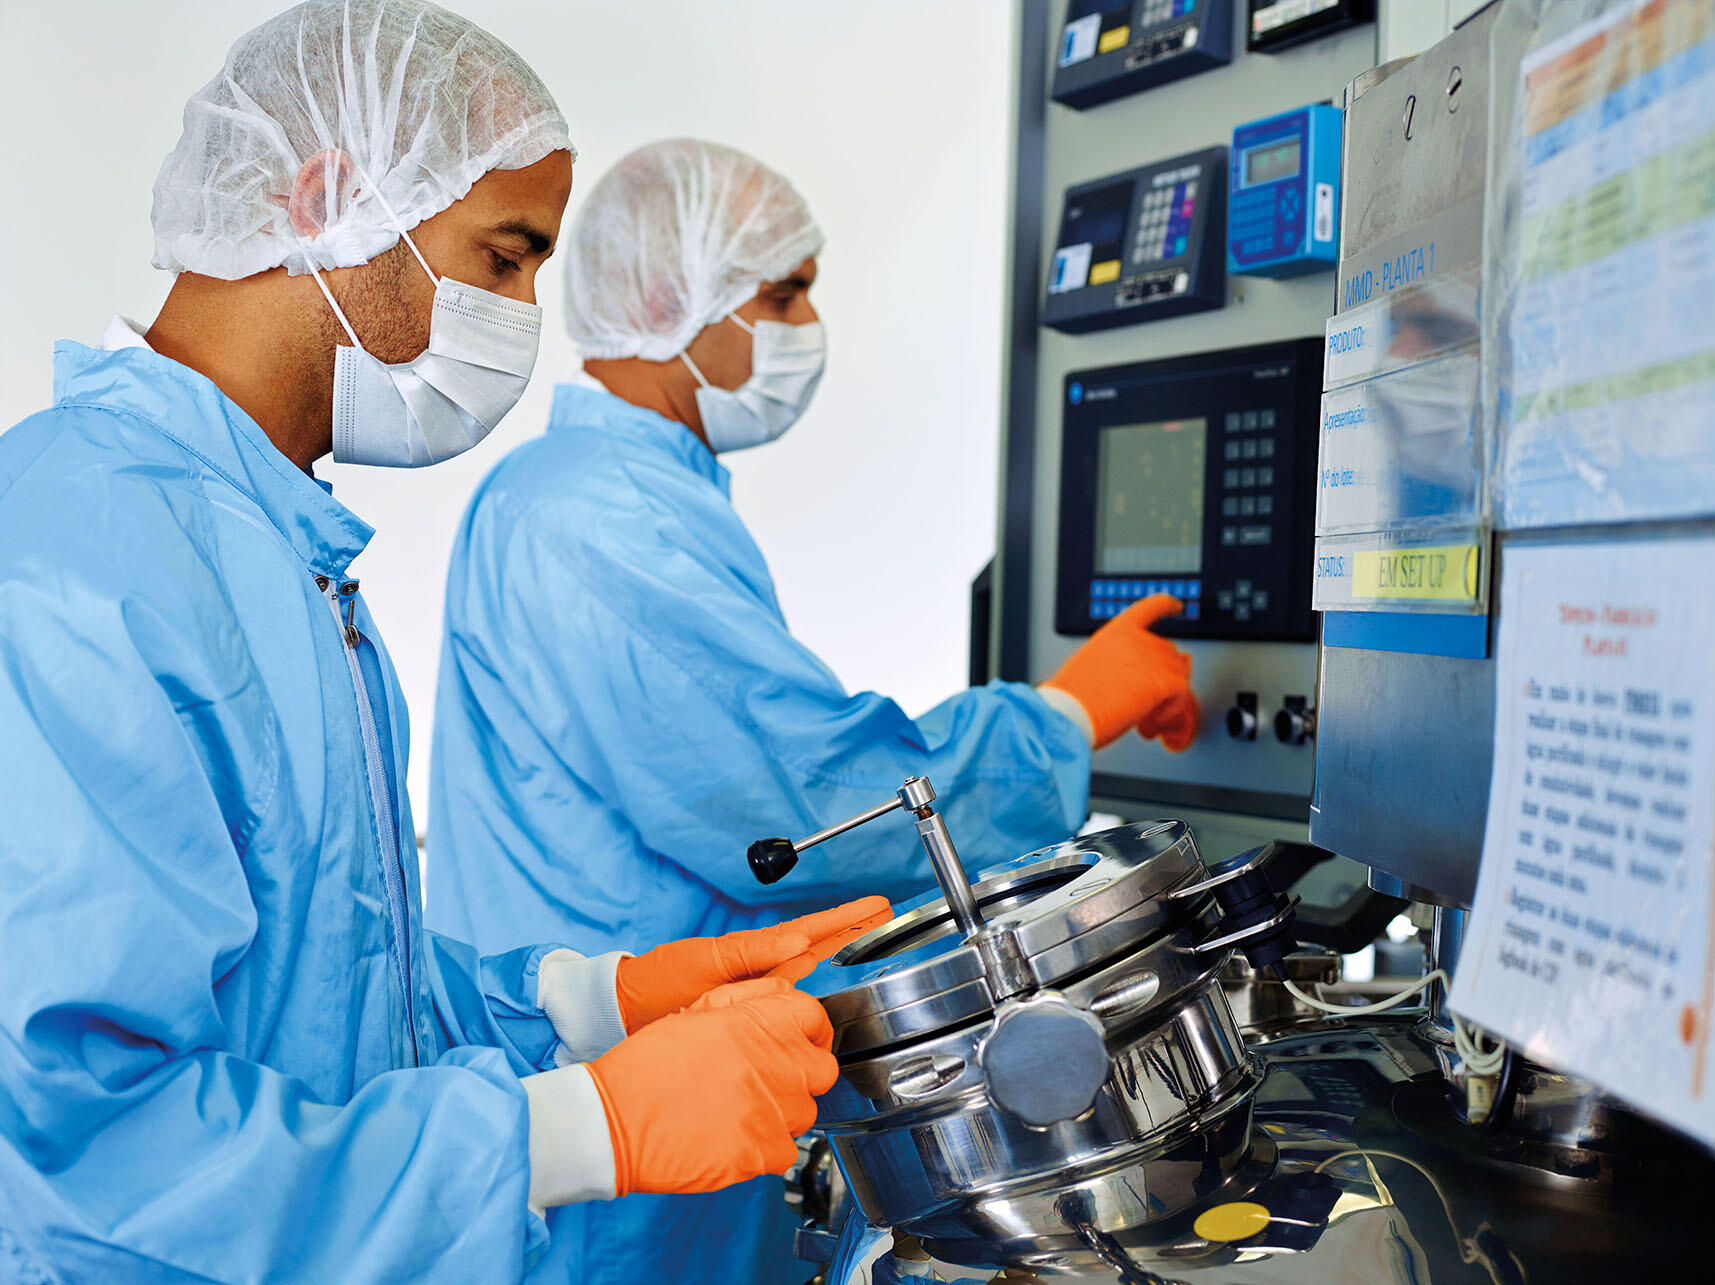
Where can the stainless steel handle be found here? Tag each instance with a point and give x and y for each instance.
(862, 818)
(771, 860)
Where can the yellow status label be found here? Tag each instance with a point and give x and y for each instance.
(1105, 271)
(1444, 573)
(1112, 40)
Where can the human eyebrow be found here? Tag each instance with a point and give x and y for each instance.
(538, 241)
(788, 285)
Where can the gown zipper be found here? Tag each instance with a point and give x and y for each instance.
(387, 836)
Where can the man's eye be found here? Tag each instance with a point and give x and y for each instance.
(503, 265)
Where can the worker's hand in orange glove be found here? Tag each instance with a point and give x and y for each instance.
(718, 1093)
(801, 966)
(1128, 676)
(678, 973)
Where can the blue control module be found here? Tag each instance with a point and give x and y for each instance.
(1283, 205)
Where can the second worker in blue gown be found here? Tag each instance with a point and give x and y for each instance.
(622, 708)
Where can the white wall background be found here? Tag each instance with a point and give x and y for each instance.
(1409, 27)
(891, 116)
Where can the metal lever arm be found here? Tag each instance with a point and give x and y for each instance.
(772, 859)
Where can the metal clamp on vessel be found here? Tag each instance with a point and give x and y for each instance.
(1255, 918)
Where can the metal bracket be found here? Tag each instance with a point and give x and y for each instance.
(1215, 881)
(1245, 934)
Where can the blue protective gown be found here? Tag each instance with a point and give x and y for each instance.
(228, 1049)
(622, 711)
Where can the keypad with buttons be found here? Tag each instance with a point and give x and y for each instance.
(1248, 502)
(1155, 11)
(1109, 597)
(1164, 224)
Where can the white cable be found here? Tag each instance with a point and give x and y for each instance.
(1467, 1037)
(1365, 1010)
(1446, 1205)
(1468, 1251)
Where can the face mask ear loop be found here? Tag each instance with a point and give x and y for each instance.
(338, 314)
(433, 279)
(692, 366)
(375, 190)
(742, 324)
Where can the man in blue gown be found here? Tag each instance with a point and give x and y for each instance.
(229, 1050)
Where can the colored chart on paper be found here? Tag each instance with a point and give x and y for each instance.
(1607, 353)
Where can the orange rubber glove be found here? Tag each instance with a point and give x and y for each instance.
(718, 1093)
(676, 974)
(799, 967)
(1128, 676)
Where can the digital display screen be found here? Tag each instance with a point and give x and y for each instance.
(1098, 218)
(1271, 15)
(1272, 161)
(1149, 496)
(1084, 8)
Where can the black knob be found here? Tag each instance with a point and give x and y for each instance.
(1241, 717)
(1294, 722)
(771, 860)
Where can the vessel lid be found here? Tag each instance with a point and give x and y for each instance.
(1071, 908)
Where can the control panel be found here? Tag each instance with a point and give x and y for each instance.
(1281, 24)
(1110, 48)
(1193, 476)
(1142, 245)
(1239, 791)
(1283, 214)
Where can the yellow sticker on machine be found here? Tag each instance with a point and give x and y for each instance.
(1112, 40)
(1105, 271)
(1442, 573)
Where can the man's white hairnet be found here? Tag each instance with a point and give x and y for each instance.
(674, 237)
(327, 115)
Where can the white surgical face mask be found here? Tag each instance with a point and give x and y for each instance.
(482, 348)
(785, 367)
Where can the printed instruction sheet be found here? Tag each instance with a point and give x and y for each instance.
(1590, 943)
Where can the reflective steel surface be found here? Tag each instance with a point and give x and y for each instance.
(957, 1170)
(1284, 1147)
(1356, 1173)
(934, 1119)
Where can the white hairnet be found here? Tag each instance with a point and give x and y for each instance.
(328, 114)
(673, 237)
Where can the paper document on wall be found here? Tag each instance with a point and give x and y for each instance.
(1606, 347)
(1590, 942)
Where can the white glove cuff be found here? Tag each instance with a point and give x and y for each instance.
(1063, 702)
(571, 1150)
(580, 999)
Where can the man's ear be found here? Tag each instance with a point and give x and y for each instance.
(324, 186)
